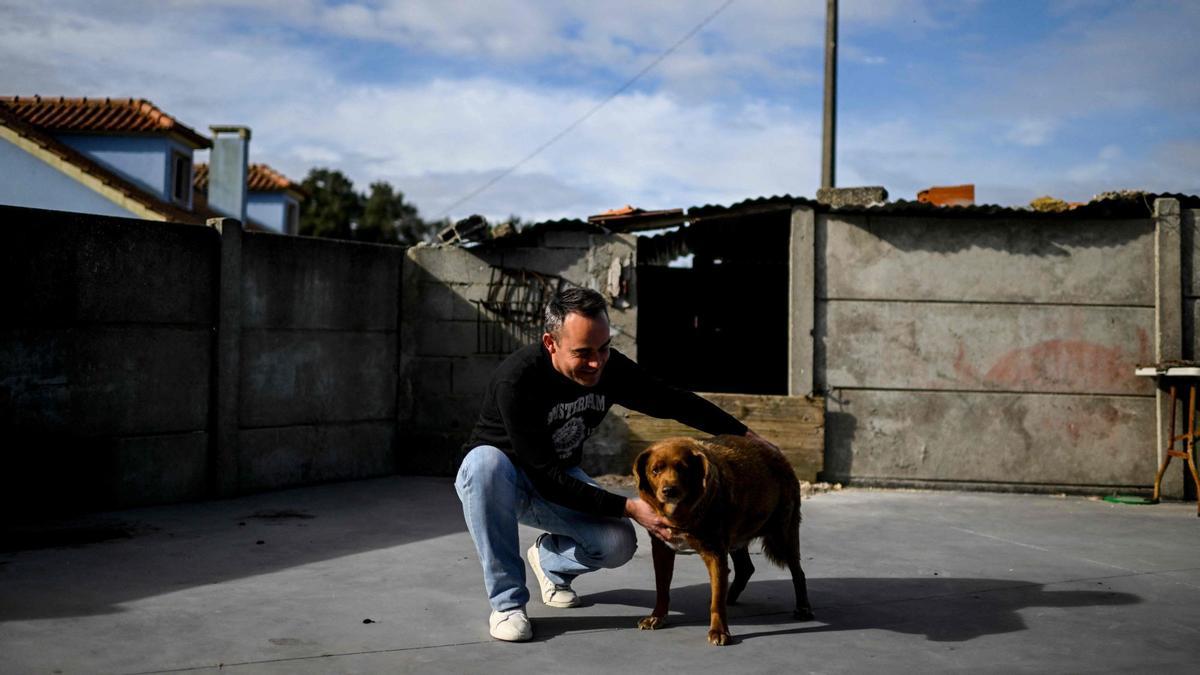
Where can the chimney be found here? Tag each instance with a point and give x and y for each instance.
(227, 170)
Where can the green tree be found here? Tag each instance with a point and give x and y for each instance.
(388, 218)
(332, 208)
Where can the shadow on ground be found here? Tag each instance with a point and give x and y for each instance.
(940, 609)
(140, 553)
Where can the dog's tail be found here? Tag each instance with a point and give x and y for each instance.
(781, 543)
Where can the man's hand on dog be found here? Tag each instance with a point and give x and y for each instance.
(645, 515)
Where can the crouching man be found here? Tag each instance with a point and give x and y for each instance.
(522, 464)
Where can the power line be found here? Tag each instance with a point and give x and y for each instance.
(571, 127)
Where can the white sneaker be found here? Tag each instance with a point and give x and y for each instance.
(511, 625)
(553, 595)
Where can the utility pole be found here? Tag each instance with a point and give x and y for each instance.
(828, 152)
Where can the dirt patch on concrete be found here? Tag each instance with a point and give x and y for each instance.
(280, 515)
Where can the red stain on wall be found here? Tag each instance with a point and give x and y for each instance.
(1072, 365)
(963, 368)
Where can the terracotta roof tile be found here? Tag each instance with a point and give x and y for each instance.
(948, 195)
(260, 178)
(102, 115)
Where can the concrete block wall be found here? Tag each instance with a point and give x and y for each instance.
(147, 362)
(986, 351)
(1175, 265)
(319, 349)
(443, 374)
(105, 360)
(1190, 243)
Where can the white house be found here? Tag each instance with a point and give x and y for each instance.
(127, 158)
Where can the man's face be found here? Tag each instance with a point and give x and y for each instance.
(581, 349)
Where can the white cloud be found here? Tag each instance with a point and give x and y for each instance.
(645, 149)
(312, 155)
(1110, 152)
(435, 140)
(701, 128)
(1031, 132)
(443, 137)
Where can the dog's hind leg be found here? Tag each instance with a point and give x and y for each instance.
(782, 547)
(743, 569)
(803, 609)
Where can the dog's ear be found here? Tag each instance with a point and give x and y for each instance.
(704, 469)
(639, 472)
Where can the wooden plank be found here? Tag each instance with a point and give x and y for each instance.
(795, 423)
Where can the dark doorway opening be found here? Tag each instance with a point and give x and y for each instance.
(721, 325)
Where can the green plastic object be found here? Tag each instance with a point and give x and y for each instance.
(1129, 499)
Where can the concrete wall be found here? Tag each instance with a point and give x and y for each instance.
(145, 362)
(442, 374)
(319, 349)
(105, 355)
(1190, 245)
(986, 351)
(148, 362)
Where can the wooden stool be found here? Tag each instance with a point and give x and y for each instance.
(1188, 454)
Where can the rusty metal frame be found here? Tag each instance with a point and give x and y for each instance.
(1188, 437)
(513, 313)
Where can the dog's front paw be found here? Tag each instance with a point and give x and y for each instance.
(803, 614)
(719, 637)
(652, 622)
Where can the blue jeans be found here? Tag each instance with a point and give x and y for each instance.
(496, 495)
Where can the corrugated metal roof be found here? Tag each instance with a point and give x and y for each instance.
(1126, 207)
(1139, 205)
(529, 234)
(564, 225)
(99, 115)
(630, 219)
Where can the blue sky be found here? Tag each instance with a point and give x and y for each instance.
(438, 97)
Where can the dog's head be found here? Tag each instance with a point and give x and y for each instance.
(674, 475)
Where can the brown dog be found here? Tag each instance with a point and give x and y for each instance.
(720, 493)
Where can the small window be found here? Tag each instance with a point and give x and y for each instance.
(181, 178)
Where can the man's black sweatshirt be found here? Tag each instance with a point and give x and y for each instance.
(539, 418)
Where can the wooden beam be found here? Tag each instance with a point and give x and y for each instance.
(795, 423)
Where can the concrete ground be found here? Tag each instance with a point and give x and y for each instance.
(380, 576)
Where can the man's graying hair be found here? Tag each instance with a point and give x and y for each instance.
(579, 300)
